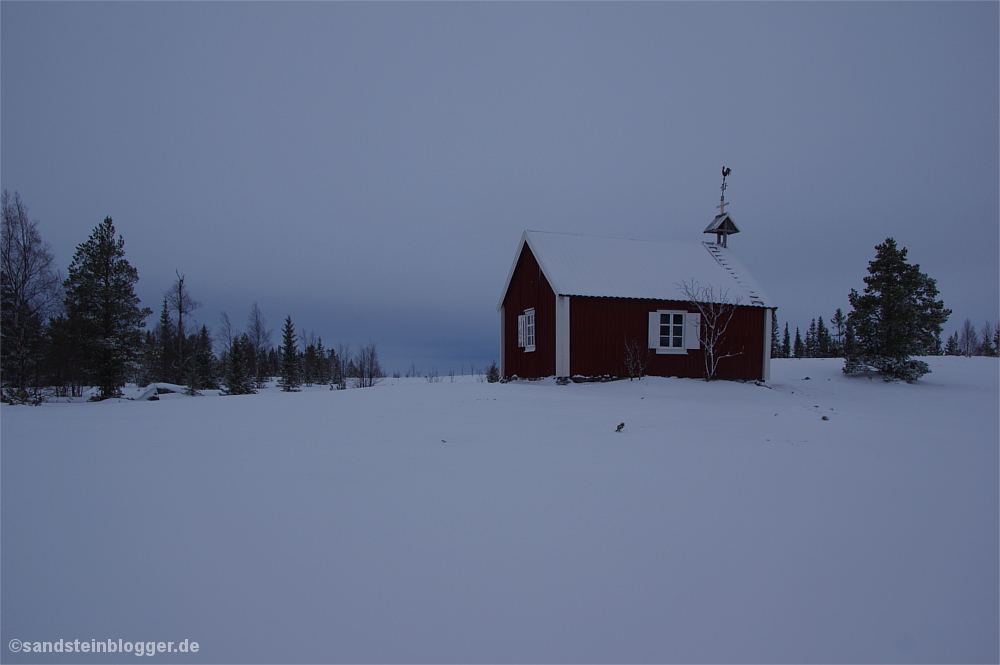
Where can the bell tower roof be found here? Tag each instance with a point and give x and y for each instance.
(723, 225)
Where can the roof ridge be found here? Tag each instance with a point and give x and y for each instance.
(601, 237)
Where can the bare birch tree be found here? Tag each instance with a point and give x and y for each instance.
(368, 370)
(968, 339)
(178, 299)
(260, 344)
(31, 293)
(227, 333)
(717, 310)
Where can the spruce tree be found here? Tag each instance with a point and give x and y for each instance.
(205, 366)
(309, 361)
(103, 310)
(952, 348)
(897, 316)
(164, 333)
(239, 379)
(786, 343)
(839, 322)
(811, 340)
(799, 349)
(322, 364)
(291, 373)
(824, 343)
(493, 373)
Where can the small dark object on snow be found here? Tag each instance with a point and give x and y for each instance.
(826, 417)
(620, 427)
(806, 379)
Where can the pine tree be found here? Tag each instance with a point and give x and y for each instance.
(896, 317)
(786, 343)
(936, 349)
(291, 373)
(103, 310)
(799, 349)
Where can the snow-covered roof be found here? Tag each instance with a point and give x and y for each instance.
(579, 265)
(722, 222)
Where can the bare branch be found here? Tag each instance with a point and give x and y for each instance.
(717, 310)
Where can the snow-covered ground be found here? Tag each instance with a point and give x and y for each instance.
(823, 518)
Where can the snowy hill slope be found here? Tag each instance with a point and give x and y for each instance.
(472, 522)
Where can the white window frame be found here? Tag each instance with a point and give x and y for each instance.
(690, 327)
(529, 330)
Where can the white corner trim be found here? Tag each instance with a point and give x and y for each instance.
(562, 336)
(766, 369)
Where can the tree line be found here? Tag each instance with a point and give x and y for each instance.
(821, 341)
(59, 336)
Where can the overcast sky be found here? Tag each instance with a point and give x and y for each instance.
(368, 168)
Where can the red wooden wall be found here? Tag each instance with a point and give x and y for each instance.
(528, 288)
(599, 328)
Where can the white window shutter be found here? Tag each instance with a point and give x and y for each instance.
(654, 330)
(520, 330)
(692, 332)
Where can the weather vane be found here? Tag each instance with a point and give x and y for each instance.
(722, 201)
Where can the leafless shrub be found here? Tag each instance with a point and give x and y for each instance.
(636, 358)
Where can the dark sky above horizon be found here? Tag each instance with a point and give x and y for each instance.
(368, 168)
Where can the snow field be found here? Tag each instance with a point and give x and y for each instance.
(473, 522)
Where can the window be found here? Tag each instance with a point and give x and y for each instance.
(526, 330)
(674, 331)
